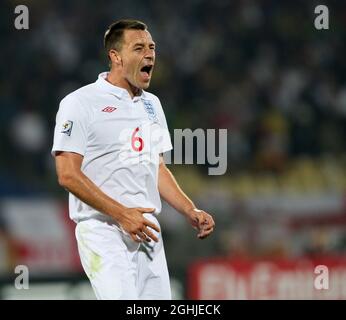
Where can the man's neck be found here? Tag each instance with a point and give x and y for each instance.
(123, 83)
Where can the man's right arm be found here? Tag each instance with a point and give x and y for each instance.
(70, 176)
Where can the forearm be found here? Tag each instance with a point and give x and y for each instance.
(84, 189)
(172, 193)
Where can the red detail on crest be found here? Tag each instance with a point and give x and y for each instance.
(109, 109)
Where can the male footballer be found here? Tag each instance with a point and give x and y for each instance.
(108, 144)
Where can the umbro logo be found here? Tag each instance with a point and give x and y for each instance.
(109, 109)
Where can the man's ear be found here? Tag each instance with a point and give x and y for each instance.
(115, 57)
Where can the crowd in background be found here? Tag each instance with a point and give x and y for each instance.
(257, 68)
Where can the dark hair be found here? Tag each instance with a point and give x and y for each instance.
(113, 37)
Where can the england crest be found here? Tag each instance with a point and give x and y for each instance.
(150, 110)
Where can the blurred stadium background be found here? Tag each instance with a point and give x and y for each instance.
(257, 68)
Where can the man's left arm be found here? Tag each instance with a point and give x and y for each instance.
(175, 197)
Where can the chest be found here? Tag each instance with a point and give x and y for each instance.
(118, 124)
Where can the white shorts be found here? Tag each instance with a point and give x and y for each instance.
(119, 268)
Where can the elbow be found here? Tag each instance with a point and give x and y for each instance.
(66, 179)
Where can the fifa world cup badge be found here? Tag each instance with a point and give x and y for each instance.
(67, 127)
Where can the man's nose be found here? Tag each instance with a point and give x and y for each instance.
(149, 54)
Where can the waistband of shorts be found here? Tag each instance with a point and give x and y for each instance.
(106, 218)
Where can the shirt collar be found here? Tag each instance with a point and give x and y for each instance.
(103, 84)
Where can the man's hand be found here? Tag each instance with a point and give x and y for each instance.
(201, 221)
(133, 222)
(175, 197)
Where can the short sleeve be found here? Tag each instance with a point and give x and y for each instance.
(71, 127)
(166, 143)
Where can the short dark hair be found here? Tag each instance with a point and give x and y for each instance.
(114, 35)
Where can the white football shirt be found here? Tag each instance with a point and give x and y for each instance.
(120, 139)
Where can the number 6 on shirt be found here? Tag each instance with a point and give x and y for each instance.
(137, 143)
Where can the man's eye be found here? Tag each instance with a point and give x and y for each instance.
(138, 49)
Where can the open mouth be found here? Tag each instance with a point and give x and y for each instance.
(147, 69)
